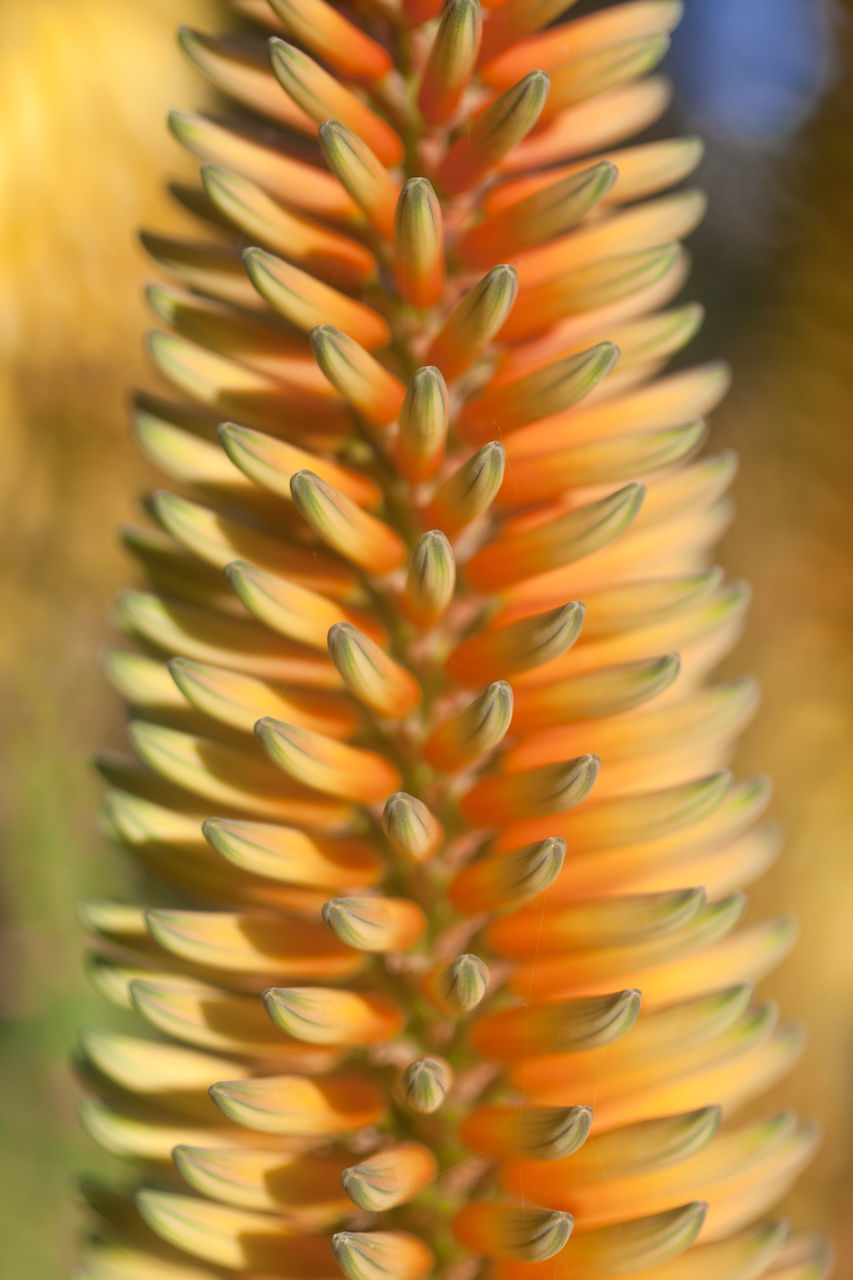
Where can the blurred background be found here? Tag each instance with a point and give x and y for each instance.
(84, 87)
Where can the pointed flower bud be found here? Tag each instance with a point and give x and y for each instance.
(451, 60)
(431, 579)
(325, 764)
(294, 611)
(358, 376)
(562, 1026)
(272, 463)
(320, 27)
(287, 854)
(376, 1255)
(362, 175)
(390, 1177)
(508, 879)
(531, 793)
(515, 1233)
(605, 691)
(300, 184)
(536, 1133)
(521, 646)
(470, 491)
(650, 1242)
(262, 219)
(412, 831)
(322, 97)
(487, 138)
(307, 302)
(419, 245)
(562, 294)
(550, 211)
(375, 923)
(540, 395)
(425, 1084)
(474, 731)
(423, 424)
(459, 987)
(604, 69)
(324, 1015)
(346, 527)
(242, 75)
(370, 674)
(300, 1107)
(550, 544)
(477, 317)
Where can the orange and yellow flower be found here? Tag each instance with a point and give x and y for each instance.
(442, 965)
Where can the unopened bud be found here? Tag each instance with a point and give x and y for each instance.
(516, 1233)
(508, 879)
(419, 244)
(321, 95)
(431, 580)
(412, 831)
(451, 60)
(527, 1133)
(425, 1084)
(539, 395)
(522, 645)
(470, 491)
(329, 1016)
(460, 986)
(361, 174)
(375, 924)
(494, 132)
(376, 1255)
(357, 375)
(477, 317)
(390, 1177)
(424, 421)
(531, 793)
(370, 674)
(474, 731)
(344, 526)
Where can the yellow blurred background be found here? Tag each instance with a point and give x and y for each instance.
(84, 87)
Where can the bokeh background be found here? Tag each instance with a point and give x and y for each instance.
(84, 86)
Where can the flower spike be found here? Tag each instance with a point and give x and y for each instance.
(442, 947)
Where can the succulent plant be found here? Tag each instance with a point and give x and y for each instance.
(441, 960)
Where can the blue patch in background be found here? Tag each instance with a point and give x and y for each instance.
(752, 69)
